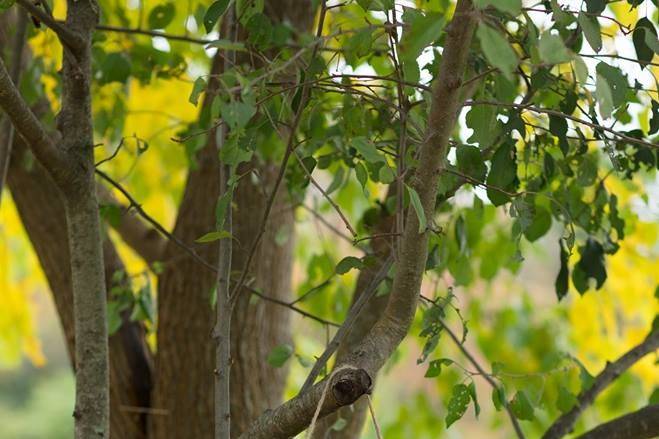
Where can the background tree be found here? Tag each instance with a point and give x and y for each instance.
(436, 139)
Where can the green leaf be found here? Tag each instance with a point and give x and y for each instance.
(111, 213)
(497, 50)
(348, 263)
(197, 89)
(435, 367)
(161, 16)
(513, 7)
(604, 96)
(237, 114)
(645, 41)
(654, 397)
(418, 208)
(422, 31)
(483, 120)
(565, 400)
(259, 31)
(472, 394)
(521, 406)
(540, 224)
(616, 81)
(114, 309)
(580, 69)
(247, 8)
(552, 50)
(6, 4)
(503, 174)
(279, 355)
(561, 283)
(595, 6)
(558, 127)
(458, 403)
(470, 162)
(213, 236)
(367, 150)
(362, 177)
(591, 265)
(357, 46)
(591, 29)
(498, 398)
(115, 67)
(213, 13)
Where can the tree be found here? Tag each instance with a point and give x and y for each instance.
(283, 106)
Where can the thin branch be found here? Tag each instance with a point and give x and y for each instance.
(641, 424)
(152, 33)
(347, 324)
(485, 375)
(71, 39)
(564, 424)
(146, 241)
(326, 195)
(292, 307)
(594, 126)
(282, 170)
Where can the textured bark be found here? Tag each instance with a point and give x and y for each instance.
(41, 210)
(355, 414)
(185, 361)
(641, 424)
(292, 417)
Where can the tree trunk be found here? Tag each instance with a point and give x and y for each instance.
(41, 210)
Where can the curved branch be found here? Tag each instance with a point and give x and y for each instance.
(355, 379)
(68, 37)
(641, 424)
(564, 424)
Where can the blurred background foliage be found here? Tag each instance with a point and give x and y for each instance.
(503, 290)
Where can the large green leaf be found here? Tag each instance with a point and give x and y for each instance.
(591, 29)
(497, 50)
(552, 50)
(214, 12)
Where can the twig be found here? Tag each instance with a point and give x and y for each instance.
(282, 170)
(347, 324)
(533, 109)
(66, 35)
(485, 375)
(564, 424)
(326, 195)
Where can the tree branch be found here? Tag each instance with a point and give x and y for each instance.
(352, 381)
(641, 424)
(28, 126)
(68, 37)
(564, 424)
(145, 240)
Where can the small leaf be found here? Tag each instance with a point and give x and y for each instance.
(245, 9)
(279, 355)
(161, 16)
(418, 208)
(513, 7)
(565, 400)
(470, 162)
(521, 406)
(259, 31)
(213, 236)
(645, 41)
(367, 150)
(197, 89)
(561, 283)
(540, 224)
(213, 13)
(423, 30)
(497, 50)
(616, 80)
(503, 174)
(604, 96)
(457, 406)
(591, 29)
(552, 50)
(580, 69)
(498, 398)
(111, 213)
(237, 114)
(435, 367)
(348, 263)
(591, 265)
(115, 67)
(472, 394)
(362, 177)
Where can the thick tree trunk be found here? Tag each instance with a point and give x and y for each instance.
(41, 209)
